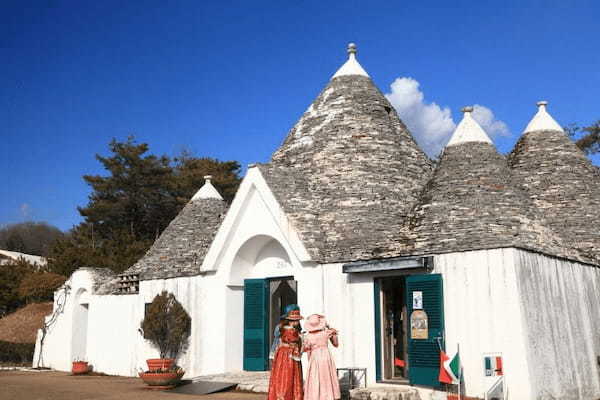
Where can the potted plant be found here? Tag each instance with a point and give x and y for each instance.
(167, 326)
(79, 367)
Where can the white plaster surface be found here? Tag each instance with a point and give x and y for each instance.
(7, 256)
(468, 130)
(207, 191)
(482, 313)
(542, 121)
(351, 67)
(560, 303)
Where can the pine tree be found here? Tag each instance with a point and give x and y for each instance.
(133, 203)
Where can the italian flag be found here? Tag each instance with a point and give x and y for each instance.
(449, 369)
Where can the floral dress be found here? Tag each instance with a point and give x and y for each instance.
(321, 378)
(286, 373)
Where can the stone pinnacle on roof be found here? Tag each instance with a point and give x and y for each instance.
(542, 121)
(351, 67)
(207, 191)
(468, 130)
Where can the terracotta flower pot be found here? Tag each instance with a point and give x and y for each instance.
(159, 364)
(79, 367)
(162, 379)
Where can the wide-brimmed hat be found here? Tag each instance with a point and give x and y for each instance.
(294, 315)
(315, 322)
(288, 309)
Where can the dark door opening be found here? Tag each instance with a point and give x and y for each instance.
(283, 291)
(394, 329)
(264, 303)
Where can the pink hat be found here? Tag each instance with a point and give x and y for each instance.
(315, 322)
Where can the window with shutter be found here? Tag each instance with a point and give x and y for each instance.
(256, 323)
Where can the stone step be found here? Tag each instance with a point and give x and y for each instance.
(249, 381)
(385, 393)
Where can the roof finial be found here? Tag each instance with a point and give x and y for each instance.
(467, 109)
(351, 48)
(542, 104)
(207, 178)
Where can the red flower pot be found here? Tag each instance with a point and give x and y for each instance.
(159, 364)
(79, 367)
(162, 379)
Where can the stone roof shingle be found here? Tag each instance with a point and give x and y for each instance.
(356, 172)
(182, 246)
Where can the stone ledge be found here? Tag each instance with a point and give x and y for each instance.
(385, 393)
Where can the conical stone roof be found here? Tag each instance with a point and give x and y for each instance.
(181, 247)
(471, 203)
(561, 181)
(357, 172)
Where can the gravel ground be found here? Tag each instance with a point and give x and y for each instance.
(21, 385)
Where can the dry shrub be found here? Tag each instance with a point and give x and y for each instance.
(167, 325)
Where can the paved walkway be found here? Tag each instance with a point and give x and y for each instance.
(249, 381)
(51, 385)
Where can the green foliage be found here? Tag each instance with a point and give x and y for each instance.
(40, 286)
(11, 275)
(587, 138)
(167, 325)
(29, 237)
(84, 248)
(133, 203)
(21, 353)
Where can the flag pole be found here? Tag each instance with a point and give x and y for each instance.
(459, 369)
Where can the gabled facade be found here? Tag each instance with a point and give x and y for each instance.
(405, 257)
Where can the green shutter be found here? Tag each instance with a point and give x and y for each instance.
(256, 322)
(424, 354)
(377, 302)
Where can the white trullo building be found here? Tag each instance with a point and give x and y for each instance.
(352, 219)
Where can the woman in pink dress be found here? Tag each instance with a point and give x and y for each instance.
(321, 378)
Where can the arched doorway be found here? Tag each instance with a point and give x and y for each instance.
(261, 285)
(80, 326)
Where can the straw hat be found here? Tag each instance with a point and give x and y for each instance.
(288, 309)
(315, 322)
(294, 315)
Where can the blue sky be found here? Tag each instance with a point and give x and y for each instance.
(229, 79)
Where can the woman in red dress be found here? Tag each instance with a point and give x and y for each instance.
(286, 373)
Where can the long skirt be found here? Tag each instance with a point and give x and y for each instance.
(321, 378)
(286, 376)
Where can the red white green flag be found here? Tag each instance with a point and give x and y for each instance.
(449, 369)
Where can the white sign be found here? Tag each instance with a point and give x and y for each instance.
(417, 300)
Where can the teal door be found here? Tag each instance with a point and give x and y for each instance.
(256, 324)
(424, 354)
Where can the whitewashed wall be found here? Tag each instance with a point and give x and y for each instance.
(482, 311)
(561, 312)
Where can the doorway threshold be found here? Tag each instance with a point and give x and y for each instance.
(394, 382)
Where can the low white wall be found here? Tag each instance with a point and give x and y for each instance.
(561, 312)
(57, 350)
(114, 345)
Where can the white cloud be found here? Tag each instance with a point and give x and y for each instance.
(488, 121)
(431, 124)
